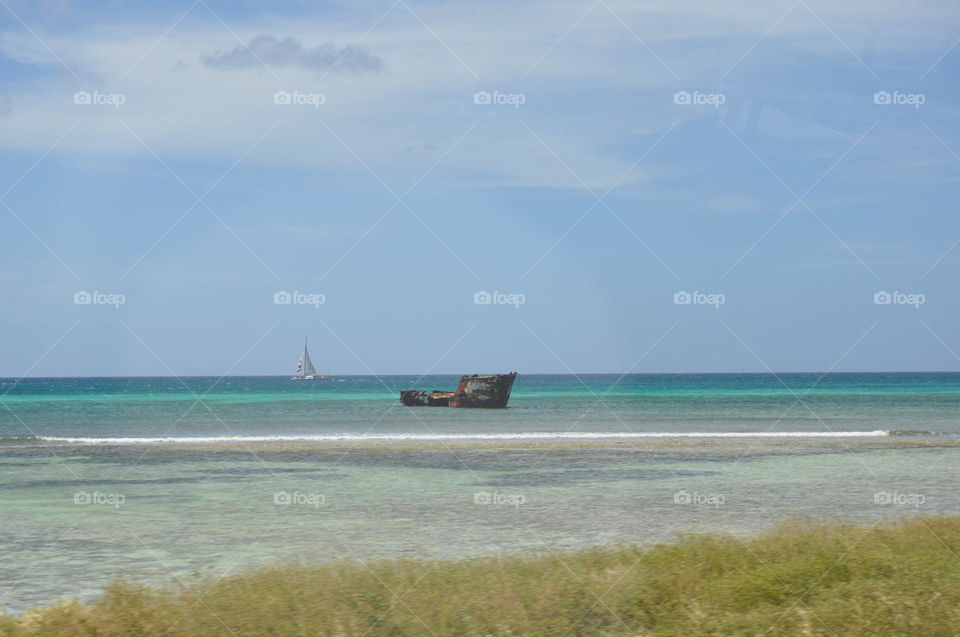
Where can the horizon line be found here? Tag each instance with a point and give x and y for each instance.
(572, 374)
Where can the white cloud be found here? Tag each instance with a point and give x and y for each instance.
(421, 93)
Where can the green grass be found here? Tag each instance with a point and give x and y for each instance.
(800, 579)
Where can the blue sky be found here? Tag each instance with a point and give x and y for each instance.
(150, 153)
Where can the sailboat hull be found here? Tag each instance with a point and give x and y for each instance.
(314, 377)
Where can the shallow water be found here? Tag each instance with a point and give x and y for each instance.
(77, 515)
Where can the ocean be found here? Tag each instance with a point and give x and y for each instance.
(162, 479)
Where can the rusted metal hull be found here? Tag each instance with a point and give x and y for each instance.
(480, 391)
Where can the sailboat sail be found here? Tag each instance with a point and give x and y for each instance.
(305, 368)
(308, 368)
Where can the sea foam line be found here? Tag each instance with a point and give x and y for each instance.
(533, 435)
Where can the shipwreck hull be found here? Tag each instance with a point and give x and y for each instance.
(488, 391)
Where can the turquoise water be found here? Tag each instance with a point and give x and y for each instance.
(366, 405)
(92, 486)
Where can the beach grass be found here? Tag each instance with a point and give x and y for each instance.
(802, 578)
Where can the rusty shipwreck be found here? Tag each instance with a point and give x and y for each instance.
(488, 391)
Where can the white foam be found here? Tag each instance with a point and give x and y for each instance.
(533, 435)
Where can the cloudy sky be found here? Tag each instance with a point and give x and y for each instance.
(648, 187)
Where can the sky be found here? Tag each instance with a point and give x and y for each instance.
(191, 188)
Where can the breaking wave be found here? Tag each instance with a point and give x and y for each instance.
(418, 437)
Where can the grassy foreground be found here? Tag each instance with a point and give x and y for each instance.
(800, 579)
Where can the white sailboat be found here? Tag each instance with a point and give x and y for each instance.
(305, 368)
